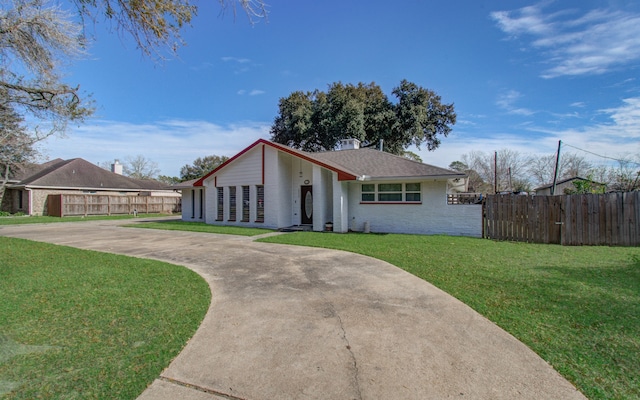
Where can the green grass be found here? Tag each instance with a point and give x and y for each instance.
(176, 225)
(17, 220)
(79, 324)
(577, 307)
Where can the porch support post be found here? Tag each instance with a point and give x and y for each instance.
(340, 205)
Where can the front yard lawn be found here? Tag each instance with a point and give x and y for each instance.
(80, 324)
(178, 225)
(577, 307)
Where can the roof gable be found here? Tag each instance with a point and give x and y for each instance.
(342, 173)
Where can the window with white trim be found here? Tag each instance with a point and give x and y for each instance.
(245, 204)
(201, 204)
(412, 192)
(260, 203)
(232, 203)
(391, 192)
(220, 210)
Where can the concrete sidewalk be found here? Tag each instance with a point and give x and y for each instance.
(290, 322)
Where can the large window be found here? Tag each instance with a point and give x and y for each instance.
(220, 213)
(391, 193)
(232, 203)
(260, 203)
(412, 192)
(245, 204)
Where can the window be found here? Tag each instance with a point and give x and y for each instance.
(368, 192)
(412, 192)
(201, 203)
(245, 204)
(220, 210)
(260, 203)
(232, 203)
(193, 204)
(391, 193)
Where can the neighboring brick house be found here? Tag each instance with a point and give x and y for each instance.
(274, 186)
(30, 187)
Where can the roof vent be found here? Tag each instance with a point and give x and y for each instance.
(349, 144)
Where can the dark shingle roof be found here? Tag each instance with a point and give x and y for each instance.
(379, 164)
(354, 164)
(81, 174)
(28, 170)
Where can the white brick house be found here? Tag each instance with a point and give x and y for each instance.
(274, 186)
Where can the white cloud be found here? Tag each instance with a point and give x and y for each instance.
(507, 102)
(170, 143)
(202, 66)
(527, 20)
(593, 43)
(236, 60)
(618, 138)
(240, 65)
(254, 92)
(174, 143)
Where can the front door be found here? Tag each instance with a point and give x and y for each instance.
(306, 204)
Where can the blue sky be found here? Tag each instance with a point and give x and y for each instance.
(522, 76)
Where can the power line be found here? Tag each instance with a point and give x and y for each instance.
(599, 155)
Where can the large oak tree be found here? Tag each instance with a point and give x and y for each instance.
(317, 121)
(38, 39)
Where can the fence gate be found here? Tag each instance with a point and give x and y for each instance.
(582, 219)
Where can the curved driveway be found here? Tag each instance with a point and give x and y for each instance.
(290, 322)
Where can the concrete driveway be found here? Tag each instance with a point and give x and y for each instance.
(291, 322)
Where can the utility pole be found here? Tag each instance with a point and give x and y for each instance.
(555, 172)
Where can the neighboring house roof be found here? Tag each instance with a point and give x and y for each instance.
(359, 164)
(27, 170)
(573, 178)
(77, 173)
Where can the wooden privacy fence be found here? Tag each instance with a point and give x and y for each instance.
(581, 219)
(61, 205)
